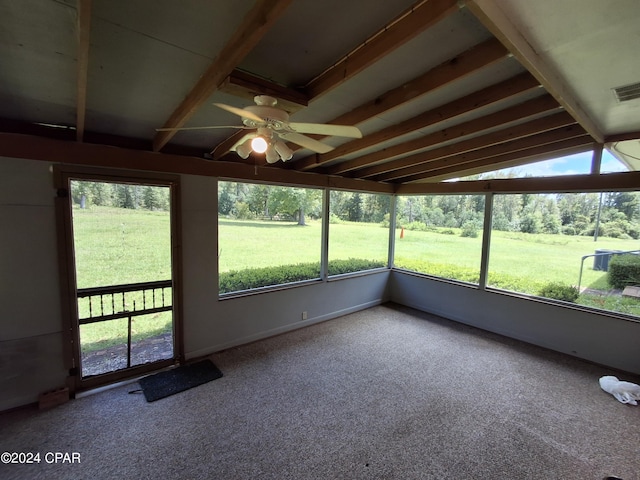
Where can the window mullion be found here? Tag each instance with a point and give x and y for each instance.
(486, 240)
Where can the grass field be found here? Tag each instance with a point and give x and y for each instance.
(115, 246)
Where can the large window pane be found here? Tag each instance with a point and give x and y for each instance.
(268, 235)
(358, 231)
(440, 235)
(538, 243)
(575, 164)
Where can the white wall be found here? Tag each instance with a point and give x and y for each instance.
(30, 319)
(597, 338)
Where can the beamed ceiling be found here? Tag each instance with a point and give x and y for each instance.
(439, 88)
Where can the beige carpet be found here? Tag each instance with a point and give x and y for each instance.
(386, 393)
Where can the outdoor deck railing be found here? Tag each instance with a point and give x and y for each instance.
(600, 255)
(100, 304)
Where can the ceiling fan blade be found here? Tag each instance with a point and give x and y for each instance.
(327, 129)
(199, 128)
(240, 112)
(306, 142)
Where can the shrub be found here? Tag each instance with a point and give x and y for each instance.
(469, 229)
(559, 291)
(337, 267)
(471, 275)
(624, 270)
(335, 219)
(242, 211)
(249, 278)
(416, 225)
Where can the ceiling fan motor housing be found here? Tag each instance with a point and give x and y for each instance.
(272, 116)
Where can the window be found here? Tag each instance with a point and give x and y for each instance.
(268, 235)
(576, 164)
(440, 235)
(358, 231)
(559, 246)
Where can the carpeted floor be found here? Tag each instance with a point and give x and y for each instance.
(386, 393)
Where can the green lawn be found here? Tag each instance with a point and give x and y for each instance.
(115, 246)
(118, 245)
(541, 257)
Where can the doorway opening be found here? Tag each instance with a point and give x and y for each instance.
(121, 238)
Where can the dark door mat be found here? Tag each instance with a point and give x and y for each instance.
(163, 384)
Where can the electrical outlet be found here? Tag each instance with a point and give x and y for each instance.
(304, 315)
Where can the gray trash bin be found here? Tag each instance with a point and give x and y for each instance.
(601, 262)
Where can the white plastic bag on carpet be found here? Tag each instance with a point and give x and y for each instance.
(625, 392)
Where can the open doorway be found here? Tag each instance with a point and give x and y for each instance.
(121, 242)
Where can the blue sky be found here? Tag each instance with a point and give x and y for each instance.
(579, 163)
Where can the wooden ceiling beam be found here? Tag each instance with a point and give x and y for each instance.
(246, 85)
(483, 98)
(516, 149)
(84, 29)
(497, 22)
(622, 137)
(456, 68)
(69, 152)
(369, 165)
(561, 183)
(536, 154)
(416, 163)
(254, 26)
(403, 28)
(224, 147)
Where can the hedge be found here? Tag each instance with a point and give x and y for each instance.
(249, 278)
(471, 275)
(624, 270)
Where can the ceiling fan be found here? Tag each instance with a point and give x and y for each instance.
(272, 126)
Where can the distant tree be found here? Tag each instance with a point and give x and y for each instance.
(627, 203)
(338, 200)
(100, 194)
(295, 202)
(258, 199)
(226, 197)
(151, 198)
(506, 212)
(124, 196)
(354, 208)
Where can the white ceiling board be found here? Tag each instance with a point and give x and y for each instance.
(593, 45)
(38, 62)
(418, 56)
(135, 86)
(311, 35)
(201, 27)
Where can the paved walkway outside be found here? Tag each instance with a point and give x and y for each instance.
(115, 358)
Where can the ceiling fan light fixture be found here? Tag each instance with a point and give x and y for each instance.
(271, 155)
(259, 144)
(244, 149)
(285, 152)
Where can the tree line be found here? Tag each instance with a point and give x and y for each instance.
(613, 214)
(616, 214)
(119, 195)
(247, 201)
